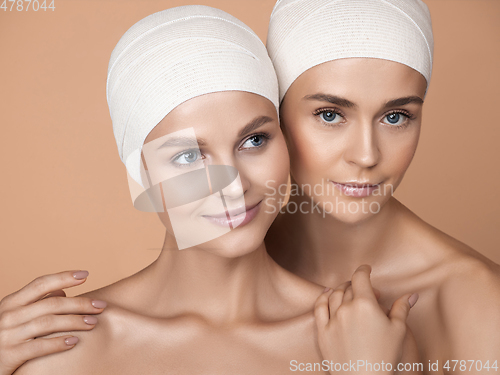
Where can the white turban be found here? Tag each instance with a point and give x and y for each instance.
(175, 55)
(306, 33)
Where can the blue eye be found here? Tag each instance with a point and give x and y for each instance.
(396, 118)
(329, 116)
(393, 118)
(254, 141)
(187, 157)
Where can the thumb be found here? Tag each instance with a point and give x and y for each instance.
(401, 307)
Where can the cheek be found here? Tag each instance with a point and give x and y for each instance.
(313, 148)
(270, 170)
(276, 165)
(398, 153)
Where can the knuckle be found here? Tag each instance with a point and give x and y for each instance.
(6, 319)
(39, 284)
(5, 301)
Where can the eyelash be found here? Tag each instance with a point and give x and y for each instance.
(320, 111)
(403, 112)
(265, 135)
(176, 156)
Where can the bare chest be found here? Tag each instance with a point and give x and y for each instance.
(209, 351)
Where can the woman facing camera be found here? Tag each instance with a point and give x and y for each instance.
(353, 77)
(193, 98)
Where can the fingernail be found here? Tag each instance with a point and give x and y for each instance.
(326, 290)
(413, 299)
(99, 304)
(71, 340)
(79, 275)
(90, 319)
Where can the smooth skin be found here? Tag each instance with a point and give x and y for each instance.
(38, 309)
(224, 306)
(340, 123)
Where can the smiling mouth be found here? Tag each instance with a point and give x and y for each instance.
(235, 217)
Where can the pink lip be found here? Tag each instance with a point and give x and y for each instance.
(355, 189)
(237, 217)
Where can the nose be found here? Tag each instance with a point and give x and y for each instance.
(362, 147)
(230, 179)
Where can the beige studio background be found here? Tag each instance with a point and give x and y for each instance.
(65, 202)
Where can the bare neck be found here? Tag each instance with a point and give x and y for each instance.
(220, 290)
(326, 251)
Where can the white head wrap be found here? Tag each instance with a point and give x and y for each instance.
(175, 55)
(306, 33)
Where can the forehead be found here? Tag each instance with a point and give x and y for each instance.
(361, 78)
(220, 112)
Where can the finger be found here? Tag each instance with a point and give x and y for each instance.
(348, 295)
(47, 324)
(410, 352)
(361, 284)
(337, 297)
(401, 307)
(321, 312)
(42, 285)
(42, 347)
(52, 305)
(56, 293)
(377, 293)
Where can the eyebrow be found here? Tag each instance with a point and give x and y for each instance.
(343, 102)
(254, 124)
(183, 142)
(403, 101)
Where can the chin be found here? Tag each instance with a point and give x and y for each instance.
(238, 242)
(352, 211)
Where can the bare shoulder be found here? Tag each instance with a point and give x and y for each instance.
(86, 354)
(469, 302)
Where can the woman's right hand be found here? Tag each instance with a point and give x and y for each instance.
(41, 308)
(353, 327)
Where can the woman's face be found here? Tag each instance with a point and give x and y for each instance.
(226, 210)
(352, 128)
